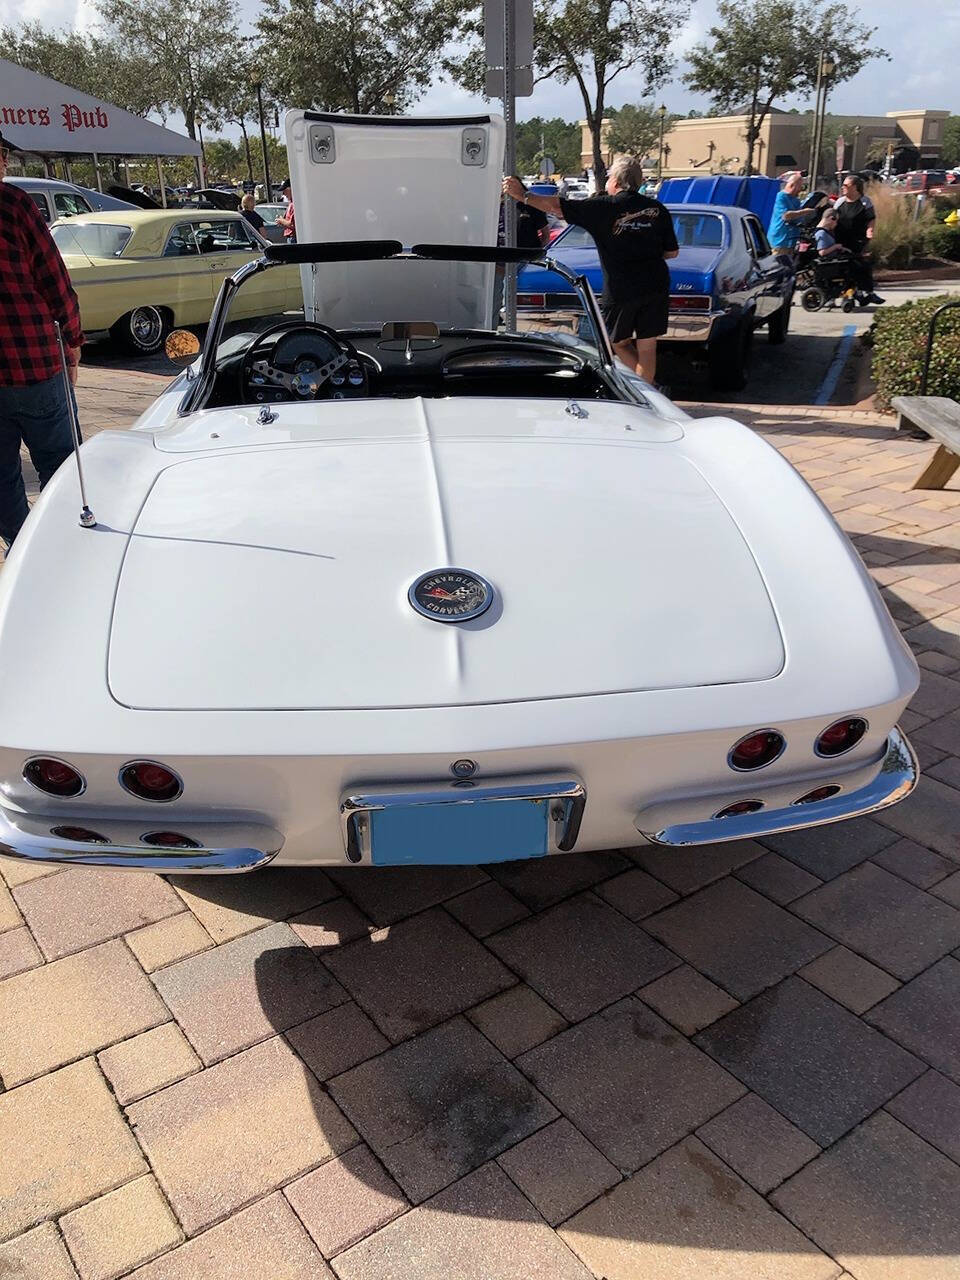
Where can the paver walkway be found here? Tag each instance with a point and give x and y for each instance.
(740, 1062)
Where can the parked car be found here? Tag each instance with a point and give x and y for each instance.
(140, 274)
(384, 586)
(269, 213)
(57, 199)
(928, 181)
(725, 283)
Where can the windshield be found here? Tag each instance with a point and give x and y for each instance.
(93, 239)
(694, 231)
(430, 283)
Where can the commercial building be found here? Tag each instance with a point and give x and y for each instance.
(716, 144)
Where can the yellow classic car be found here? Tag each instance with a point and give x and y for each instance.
(140, 273)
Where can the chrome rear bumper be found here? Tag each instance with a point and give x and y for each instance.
(898, 775)
(225, 848)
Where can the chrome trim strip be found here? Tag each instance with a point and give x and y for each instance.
(566, 814)
(210, 859)
(898, 775)
(583, 286)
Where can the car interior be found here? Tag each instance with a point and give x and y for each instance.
(298, 360)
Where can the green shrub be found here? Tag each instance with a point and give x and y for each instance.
(942, 241)
(899, 340)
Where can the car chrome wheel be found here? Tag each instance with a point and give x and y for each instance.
(146, 326)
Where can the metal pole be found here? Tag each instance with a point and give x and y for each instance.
(856, 143)
(814, 152)
(509, 164)
(263, 143)
(87, 519)
(96, 170)
(931, 330)
(660, 152)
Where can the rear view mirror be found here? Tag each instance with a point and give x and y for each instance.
(395, 331)
(182, 347)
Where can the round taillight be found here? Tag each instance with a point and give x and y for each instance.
(148, 780)
(80, 834)
(53, 776)
(841, 736)
(818, 793)
(756, 750)
(739, 809)
(169, 840)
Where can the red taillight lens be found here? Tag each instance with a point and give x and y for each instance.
(841, 736)
(150, 781)
(739, 809)
(757, 749)
(169, 840)
(531, 300)
(689, 302)
(818, 793)
(80, 834)
(53, 776)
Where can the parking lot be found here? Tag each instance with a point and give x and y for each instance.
(738, 1062)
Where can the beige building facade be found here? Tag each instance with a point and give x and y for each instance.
(716, 144)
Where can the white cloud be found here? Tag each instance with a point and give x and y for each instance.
(924, 37)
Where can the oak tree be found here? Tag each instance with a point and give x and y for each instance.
(761, 50)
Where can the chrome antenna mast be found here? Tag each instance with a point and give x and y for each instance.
(87, 518)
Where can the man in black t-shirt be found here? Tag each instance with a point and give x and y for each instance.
(634, 235)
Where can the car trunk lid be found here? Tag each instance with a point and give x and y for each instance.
(277, 578)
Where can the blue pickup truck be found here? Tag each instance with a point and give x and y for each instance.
(725, 283)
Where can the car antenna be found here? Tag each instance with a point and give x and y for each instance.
(87, 519)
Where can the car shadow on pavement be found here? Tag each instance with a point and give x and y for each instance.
(519, 1104)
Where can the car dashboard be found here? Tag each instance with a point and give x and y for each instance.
(303, 362)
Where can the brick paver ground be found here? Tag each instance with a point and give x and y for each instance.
(737, 1062)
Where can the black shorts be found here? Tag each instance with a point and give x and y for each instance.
(646, 319)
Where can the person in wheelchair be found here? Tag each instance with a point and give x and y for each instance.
(836, 269)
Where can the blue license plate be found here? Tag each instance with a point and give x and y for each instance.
(463, 833)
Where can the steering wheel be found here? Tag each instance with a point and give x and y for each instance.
(307, 359)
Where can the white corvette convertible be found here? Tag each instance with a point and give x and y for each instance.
(383, 585)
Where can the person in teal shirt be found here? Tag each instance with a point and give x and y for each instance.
(784, 228)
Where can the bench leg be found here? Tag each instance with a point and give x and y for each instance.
(942, 466)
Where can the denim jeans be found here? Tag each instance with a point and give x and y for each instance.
(37, 415)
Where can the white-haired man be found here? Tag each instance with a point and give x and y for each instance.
(787, 216)
(634, 236)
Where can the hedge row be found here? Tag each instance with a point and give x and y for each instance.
(899, 339)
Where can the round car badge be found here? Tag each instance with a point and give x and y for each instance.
(450, 595)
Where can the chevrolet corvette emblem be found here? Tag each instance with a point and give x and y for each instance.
(450, 595)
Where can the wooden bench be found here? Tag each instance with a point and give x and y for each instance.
(939, 417)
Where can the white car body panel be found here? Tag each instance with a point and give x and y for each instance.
(662, 586)
(635, 752)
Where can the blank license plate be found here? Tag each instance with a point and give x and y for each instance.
(466, 833)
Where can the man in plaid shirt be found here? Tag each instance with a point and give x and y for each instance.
(35, 291)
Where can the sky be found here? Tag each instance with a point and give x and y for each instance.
(924, 37)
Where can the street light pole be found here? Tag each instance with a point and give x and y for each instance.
(263, 141)
(662, 112)
(826, 69)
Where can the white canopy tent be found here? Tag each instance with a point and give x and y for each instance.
(50, 119)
